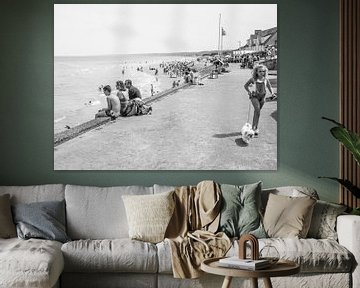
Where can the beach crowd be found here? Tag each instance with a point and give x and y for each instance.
(131, 103)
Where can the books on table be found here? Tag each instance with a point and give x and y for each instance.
(248, 264)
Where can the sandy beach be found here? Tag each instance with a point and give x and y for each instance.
(196, 128)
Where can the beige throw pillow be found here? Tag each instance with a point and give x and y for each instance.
(149, 215)
(7, 226)
(288, 217)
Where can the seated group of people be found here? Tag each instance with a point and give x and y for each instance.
(118, 105)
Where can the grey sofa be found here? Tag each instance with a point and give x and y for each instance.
(102, 255)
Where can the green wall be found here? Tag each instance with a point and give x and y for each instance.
(308, 83)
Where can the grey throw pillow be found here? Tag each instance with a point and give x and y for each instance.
(7, 226)
(240, 213)
(323, 222)
(44, 220)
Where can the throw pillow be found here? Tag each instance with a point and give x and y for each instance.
(240, 213)
(288, 217)
(7, 226)
(323, 222)
(44, 220)
(149, 215)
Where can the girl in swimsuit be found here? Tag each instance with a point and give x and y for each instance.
(257, 97)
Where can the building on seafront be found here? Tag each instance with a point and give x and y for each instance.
(260, 41)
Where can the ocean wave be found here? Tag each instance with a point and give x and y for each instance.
(59, 119)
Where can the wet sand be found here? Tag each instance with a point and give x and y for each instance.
(197, 128)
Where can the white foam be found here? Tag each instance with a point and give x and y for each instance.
(59, 119)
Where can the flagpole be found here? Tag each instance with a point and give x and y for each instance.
(219, 34)
(222, 36)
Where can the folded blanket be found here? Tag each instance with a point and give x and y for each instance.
(191, 231)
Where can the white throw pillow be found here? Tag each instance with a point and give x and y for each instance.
(149, 215)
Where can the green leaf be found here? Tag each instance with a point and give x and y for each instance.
(332, 120)
(347, 184)
(348, 138)
(355, 211)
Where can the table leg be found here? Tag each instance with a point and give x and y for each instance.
(227, 282)
(267, 283)
(254, 282)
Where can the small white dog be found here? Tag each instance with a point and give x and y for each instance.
(247, 133)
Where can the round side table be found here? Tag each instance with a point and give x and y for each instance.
(281, 268)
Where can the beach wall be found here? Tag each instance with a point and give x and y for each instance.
(307, 92)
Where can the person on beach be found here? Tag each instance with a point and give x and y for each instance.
(123, 101)
(152, 90)
(133, 91)
(113, 102)
(257, 97)
(135, 106)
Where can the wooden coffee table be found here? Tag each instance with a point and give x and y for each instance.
(281, 268)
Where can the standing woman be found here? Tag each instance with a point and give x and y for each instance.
(257, 97)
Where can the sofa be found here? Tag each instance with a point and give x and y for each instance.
(99, 252)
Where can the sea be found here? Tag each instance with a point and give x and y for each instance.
(77, 97)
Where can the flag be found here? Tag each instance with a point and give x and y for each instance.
(223, 33)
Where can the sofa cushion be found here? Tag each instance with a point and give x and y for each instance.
(164, 257)
(148, 215)
(240, 210)
(30, 263)
(43, 220)
(7, 226)
(313, 255)
(34, 193)
(98, 213)
(323, 222)
(117, 255)
(287, 216)
(162, 188)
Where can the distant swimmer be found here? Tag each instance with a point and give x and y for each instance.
(67, 127)
(92, 103)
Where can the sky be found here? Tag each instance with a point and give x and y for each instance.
(104, 29)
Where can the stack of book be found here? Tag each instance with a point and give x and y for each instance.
(248, 264)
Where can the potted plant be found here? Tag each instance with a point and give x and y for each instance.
(351, 141)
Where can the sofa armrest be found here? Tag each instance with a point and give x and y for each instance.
(348, 230)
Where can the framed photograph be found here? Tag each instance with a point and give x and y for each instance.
(165, 86)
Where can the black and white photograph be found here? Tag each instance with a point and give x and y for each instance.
(165, 87)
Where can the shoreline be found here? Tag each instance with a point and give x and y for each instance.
(82, 128)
